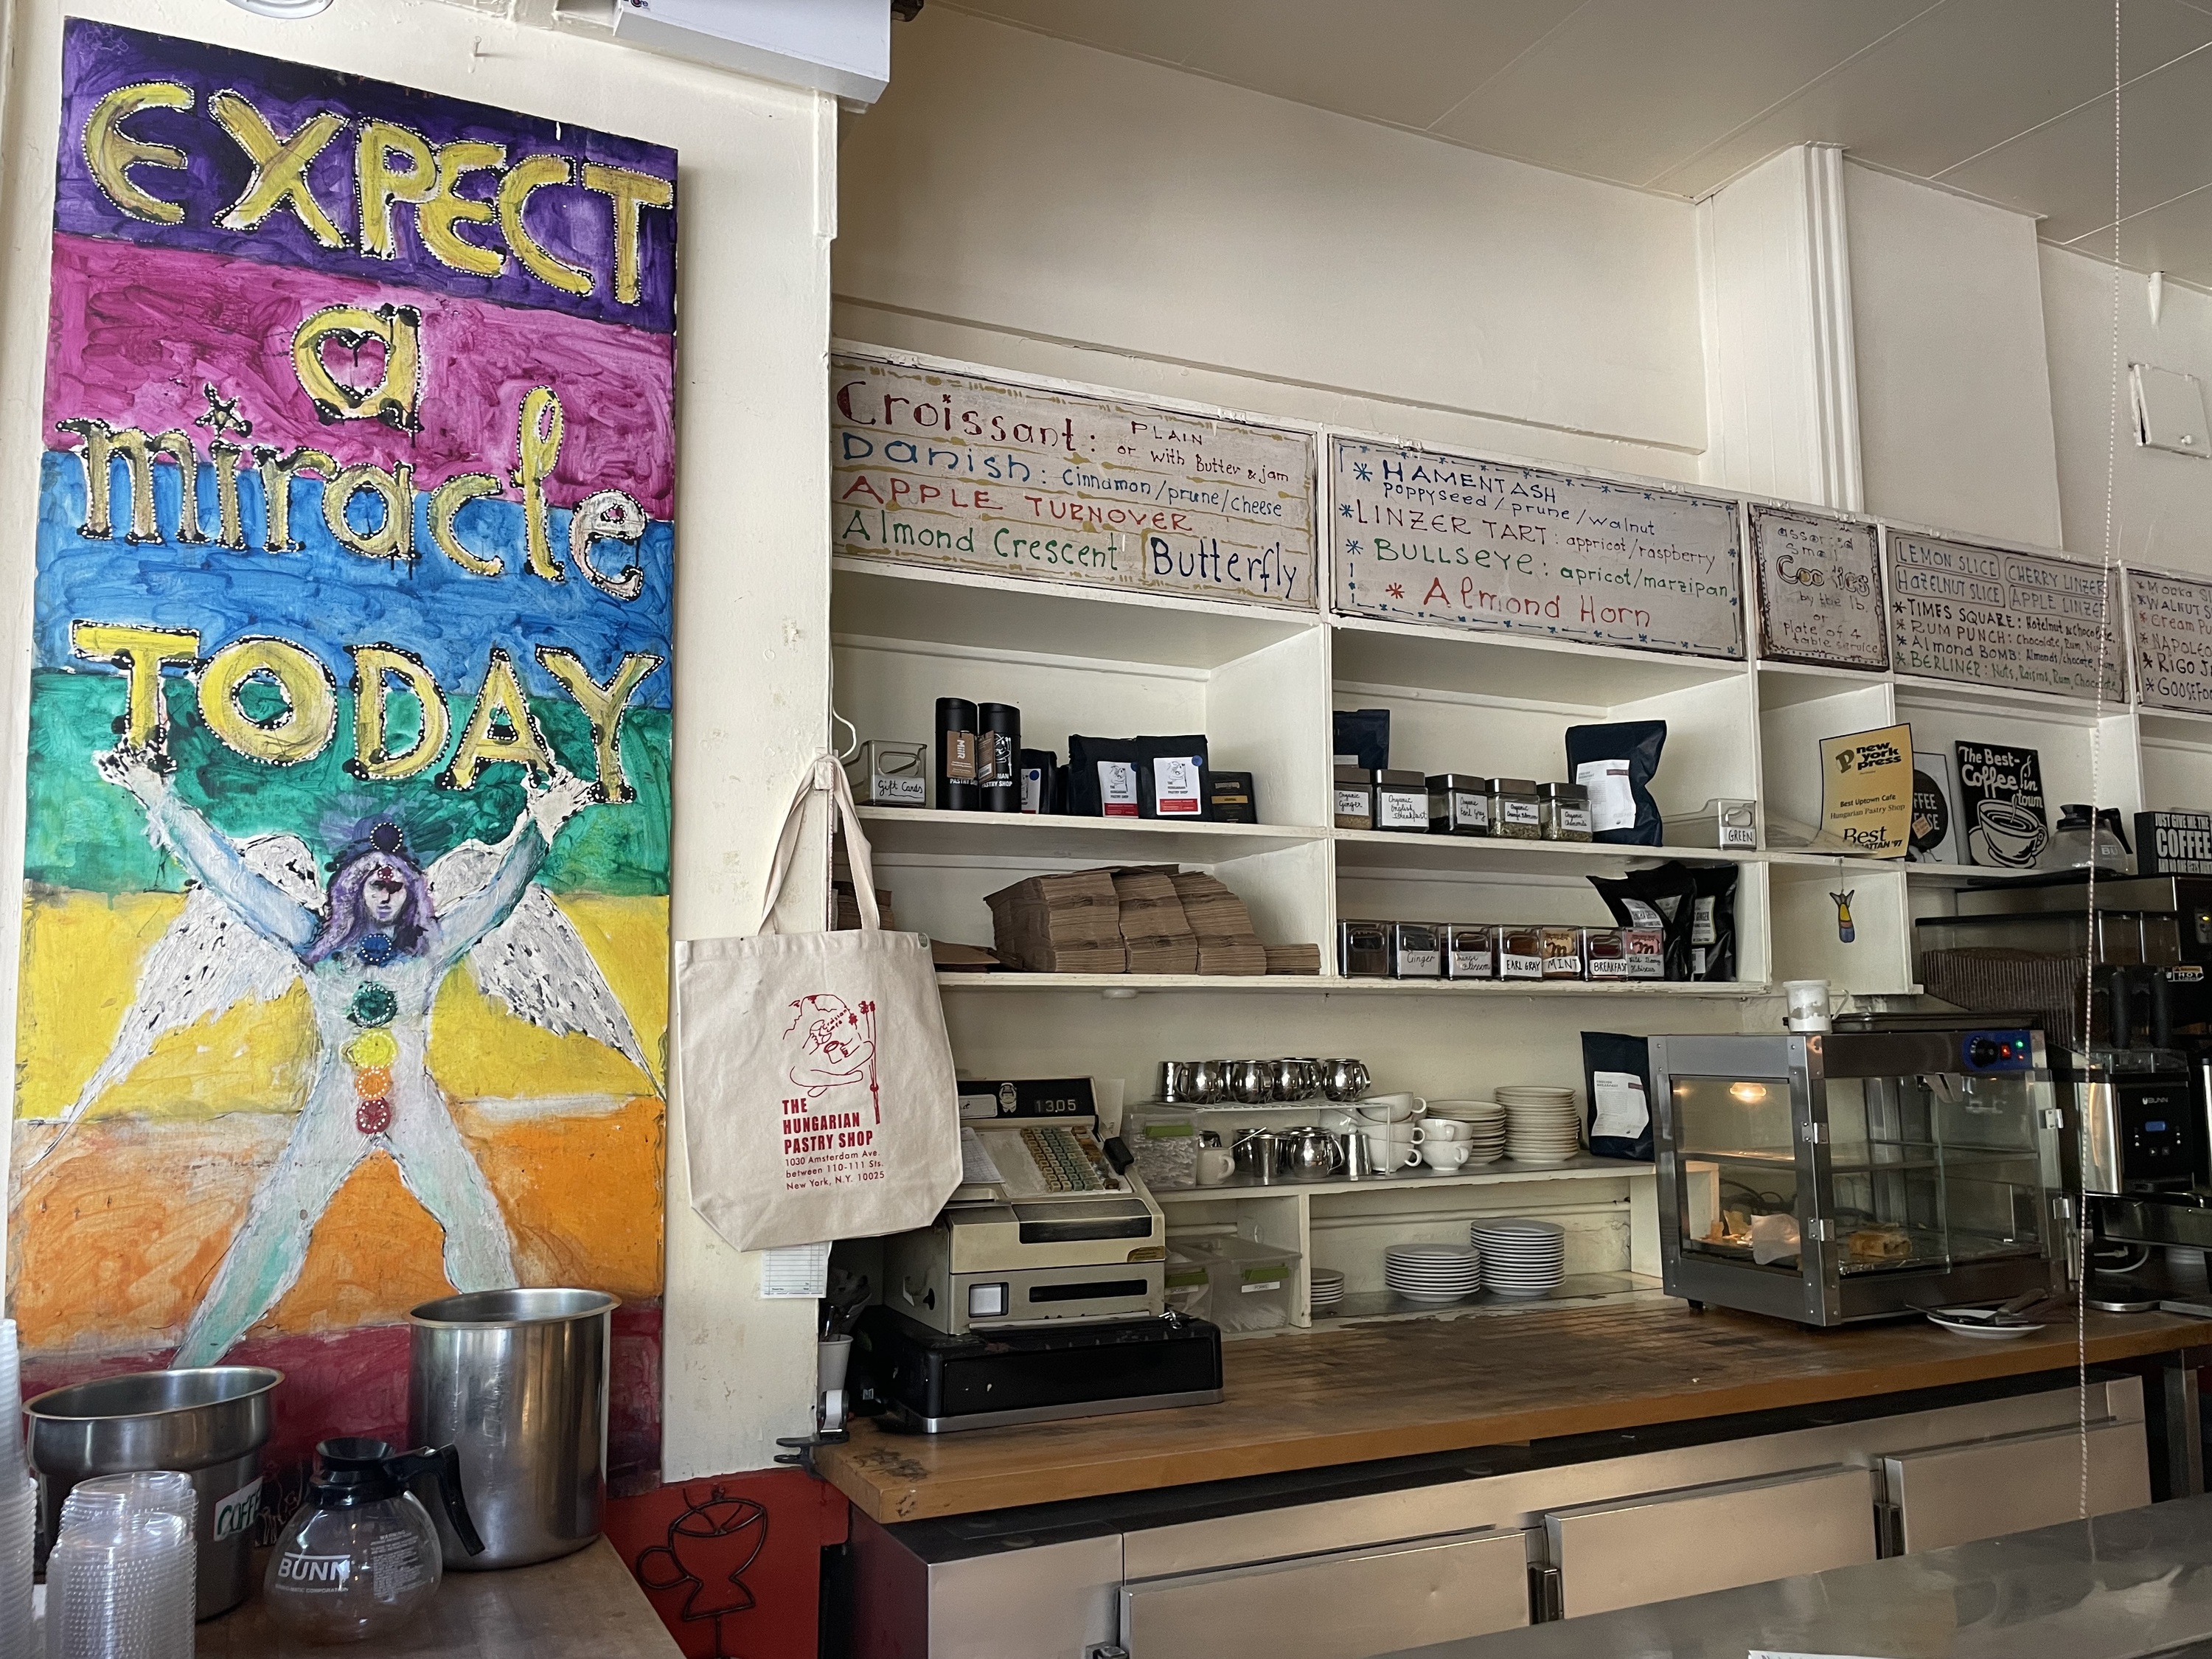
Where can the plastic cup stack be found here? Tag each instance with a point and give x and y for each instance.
(120, 1580)
(19, 1505)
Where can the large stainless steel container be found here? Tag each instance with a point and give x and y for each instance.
(517, 1380)
(209, 1423)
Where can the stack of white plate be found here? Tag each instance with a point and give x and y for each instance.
(1520, 1258)
(1485, 1126)
(1543, 1125)
(1432, 1273)
(1328, 1289)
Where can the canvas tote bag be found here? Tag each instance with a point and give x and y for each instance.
(818, 1093)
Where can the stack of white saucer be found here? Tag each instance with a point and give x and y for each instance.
(1520, 1258)
(1543, 1125)
(1327, 1290)
(1484, 1130)
(1432, 1273)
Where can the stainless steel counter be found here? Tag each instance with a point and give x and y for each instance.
(2132, 1583)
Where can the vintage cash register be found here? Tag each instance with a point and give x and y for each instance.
(1038, 1292)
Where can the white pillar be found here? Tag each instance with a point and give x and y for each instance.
(1781, 381)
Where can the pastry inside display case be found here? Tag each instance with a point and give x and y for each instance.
(1856, 1175)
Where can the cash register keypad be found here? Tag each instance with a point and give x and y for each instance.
(1066, 1164)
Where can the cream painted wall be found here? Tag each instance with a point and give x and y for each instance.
(1024, 202)
(757, 203)
(2162, 503)
(1954, 389)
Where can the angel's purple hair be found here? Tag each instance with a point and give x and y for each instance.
(345, 924)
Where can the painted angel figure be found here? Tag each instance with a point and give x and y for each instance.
(372, 953)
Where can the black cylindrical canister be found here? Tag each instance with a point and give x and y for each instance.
(999, 756)
(955, 756)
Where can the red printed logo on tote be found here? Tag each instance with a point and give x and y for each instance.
(829, 1127)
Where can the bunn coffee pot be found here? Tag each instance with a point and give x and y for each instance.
(360, 1558)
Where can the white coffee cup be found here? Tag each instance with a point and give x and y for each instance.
(1215, 1165)
(1444, 1155)
(1392, 1108)
(1394, 1150)
(1809, 1003)
(1434, 1129)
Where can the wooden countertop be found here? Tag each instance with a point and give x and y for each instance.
(1308, 1399)
(585, 1605)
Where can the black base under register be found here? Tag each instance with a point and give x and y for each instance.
(933, 1383)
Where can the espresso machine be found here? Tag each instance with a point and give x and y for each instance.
(2136, 1085)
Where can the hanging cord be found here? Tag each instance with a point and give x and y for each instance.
(2096, 792)
(853, 748)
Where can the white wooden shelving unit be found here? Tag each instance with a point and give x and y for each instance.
(1261, 683)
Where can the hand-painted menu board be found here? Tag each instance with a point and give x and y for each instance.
(934, 468)
(1820, 589)
(2173, 640)
(1990, 617)
(1428, 537)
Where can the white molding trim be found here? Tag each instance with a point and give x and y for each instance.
(1834, 383)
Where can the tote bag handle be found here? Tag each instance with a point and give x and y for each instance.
(826, 777)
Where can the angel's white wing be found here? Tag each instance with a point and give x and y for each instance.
(207, 962)
(536, 962)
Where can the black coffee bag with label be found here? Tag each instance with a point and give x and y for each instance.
(1616, 763)
(1138, 778)
(1617, 1082)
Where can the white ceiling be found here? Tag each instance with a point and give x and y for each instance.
(2008, 99)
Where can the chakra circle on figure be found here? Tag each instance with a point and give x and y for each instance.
(372, 1116)
(371, 1048)
(377, 950)
(372, 1081)
(373, 1004)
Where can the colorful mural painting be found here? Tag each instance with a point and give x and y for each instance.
(345, 954)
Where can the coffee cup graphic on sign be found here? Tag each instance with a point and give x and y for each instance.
(2007, 835)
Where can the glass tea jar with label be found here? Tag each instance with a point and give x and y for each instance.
(1355, 798)
(1401, 802)
(1562, 952)
(1470, 951)
(1606, 953)
(1459, 805)
(1520, 950)
(1514, 811)
(1563, 811)
(1416, 951)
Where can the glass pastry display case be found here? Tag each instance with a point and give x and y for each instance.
(1843, 1176)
